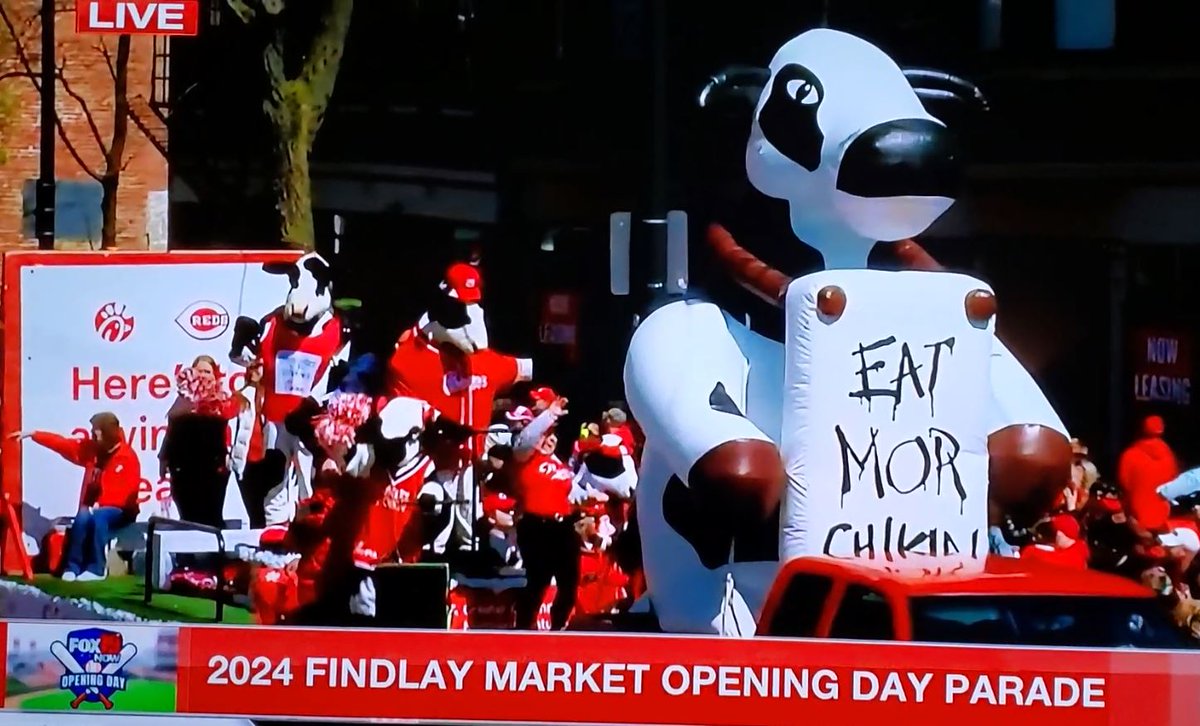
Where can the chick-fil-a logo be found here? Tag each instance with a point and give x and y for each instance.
(113, 323)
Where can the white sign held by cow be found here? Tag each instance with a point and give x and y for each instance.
(885, 417)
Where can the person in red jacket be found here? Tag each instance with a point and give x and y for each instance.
(108, 500)
(1145, 466)
(1057, 542)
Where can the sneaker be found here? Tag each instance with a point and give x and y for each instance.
(90, 577)
(69, 576)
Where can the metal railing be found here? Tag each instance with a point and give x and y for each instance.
(157, 523)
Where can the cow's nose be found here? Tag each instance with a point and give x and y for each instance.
(902, 158)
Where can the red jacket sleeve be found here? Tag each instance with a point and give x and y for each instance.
(78, 451)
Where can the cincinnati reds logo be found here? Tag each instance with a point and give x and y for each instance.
(204, 320)
(112, 324)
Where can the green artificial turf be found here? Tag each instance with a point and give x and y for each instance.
(141, 696)
(125, 593)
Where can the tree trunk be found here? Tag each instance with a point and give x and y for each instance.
(114, 158)
(293, 187)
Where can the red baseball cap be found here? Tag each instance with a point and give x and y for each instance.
(543, 394)
(465, 281)
(1066, 524)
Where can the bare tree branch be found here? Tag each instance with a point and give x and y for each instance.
(83, 105)
(242, 9)
(103, 48)
(23, 57)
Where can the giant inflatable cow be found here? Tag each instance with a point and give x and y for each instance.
(873, 420)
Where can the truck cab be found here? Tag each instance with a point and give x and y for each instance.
(999, 601)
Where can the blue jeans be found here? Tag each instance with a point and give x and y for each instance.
(89, 536)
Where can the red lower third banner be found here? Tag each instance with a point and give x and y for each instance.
(425, 676)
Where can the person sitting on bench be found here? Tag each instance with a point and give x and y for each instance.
(108, 500)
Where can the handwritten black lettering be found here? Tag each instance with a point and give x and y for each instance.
(927, 465)
(948, 344)
(849, 453)
(898, 542)
(908, 369)
(940, 436)
(866, 392)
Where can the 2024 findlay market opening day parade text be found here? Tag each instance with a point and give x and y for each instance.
(730, 681)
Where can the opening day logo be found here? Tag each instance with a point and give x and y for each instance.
(112, 324)
(204, 320)
(95, 662)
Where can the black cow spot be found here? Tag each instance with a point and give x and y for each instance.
(713, 544)
(719, 400)
(789, 117)
(716, 540)
(605, 467)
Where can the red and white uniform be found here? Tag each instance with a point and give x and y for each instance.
(392, 525)
(295, 366)
(460, 387)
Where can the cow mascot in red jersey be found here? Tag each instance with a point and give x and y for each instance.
(445, 360)
(301, 345)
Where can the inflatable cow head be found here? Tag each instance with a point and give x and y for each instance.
(310, 295)
(455, 317)
(842, 135)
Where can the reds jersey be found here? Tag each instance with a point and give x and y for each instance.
(294, 363)
(544, 486)
(391, 525)
(461, 387)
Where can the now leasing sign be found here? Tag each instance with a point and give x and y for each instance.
(137, 17)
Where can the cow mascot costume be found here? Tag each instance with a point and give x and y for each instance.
(445, 358)
(876, 427)
(369, 505)
(302, 346)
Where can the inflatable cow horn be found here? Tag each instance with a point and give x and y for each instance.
(932, 85)
(736, 84)
(750, 272)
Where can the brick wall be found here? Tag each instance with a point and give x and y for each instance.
(87, 75)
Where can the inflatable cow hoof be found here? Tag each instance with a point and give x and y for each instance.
(740, 480)
(1028, 466)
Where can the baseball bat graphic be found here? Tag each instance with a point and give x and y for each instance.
(126, 655)
(62, 655)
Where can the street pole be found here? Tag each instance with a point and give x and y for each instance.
(45, 184)
(659, 151)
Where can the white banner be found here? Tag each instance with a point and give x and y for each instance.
(109, 336)
(885, 417)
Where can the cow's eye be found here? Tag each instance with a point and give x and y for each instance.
(804, 92)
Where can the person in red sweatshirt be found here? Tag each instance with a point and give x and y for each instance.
(108, 500)
(1145, 466)
(1057, 542)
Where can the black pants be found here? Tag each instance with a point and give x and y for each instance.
(550, 549)
(199, 493)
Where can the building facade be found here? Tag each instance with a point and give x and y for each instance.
(85, 102)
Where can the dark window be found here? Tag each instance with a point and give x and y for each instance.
(864, 614)
(800, 607)
(77, 214)
(1083, 622)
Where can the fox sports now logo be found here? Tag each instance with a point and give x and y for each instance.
(204, 320)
